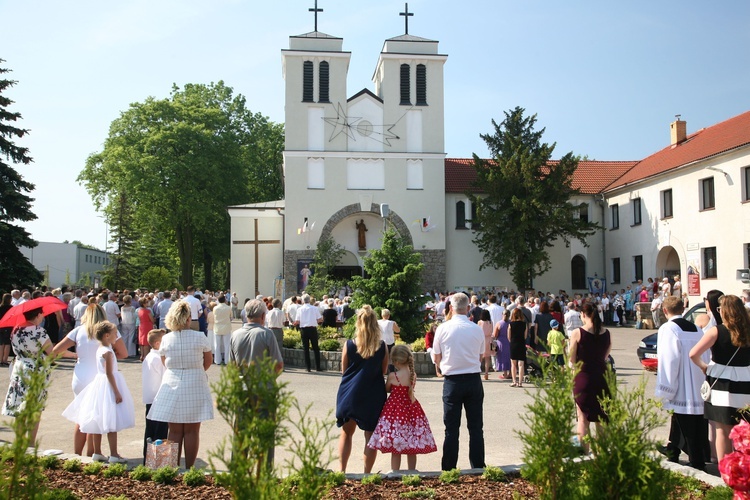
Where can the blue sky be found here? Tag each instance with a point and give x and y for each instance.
(604, 78)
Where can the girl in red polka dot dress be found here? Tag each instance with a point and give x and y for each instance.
(403, 428)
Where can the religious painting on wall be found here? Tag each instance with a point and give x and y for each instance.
(693, 258)
(303, 273)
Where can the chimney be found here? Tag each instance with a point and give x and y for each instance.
(678, 130)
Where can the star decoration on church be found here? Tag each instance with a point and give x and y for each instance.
(350, 124)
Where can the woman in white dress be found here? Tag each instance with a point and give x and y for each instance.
(184, 398)
(127, 313)
(86, 366)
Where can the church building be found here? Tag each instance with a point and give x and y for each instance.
(356, 162)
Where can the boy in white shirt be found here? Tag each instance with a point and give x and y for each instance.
(152, 371)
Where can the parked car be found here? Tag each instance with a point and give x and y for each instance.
(647, 348)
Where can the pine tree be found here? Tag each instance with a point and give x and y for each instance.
(524, 206)
(15, 270)
(394, 283)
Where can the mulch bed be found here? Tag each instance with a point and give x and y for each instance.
(85, 486)
(469, 488)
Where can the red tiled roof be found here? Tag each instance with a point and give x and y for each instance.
(591, 177)
(722, 137)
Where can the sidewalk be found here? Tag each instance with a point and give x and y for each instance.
(503, 412)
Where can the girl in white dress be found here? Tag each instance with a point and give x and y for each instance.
(105, 406)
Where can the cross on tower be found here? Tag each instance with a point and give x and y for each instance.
(316, 10)
(406, 15)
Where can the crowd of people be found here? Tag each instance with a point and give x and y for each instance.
(178, 335)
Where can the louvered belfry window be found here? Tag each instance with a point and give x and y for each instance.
(307, 81)
(405, 84)
(324, 82)
(421, 85)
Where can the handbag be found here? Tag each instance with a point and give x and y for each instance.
(162, 454)
(706, 387)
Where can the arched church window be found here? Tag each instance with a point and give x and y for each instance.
(323, 82)
(307, 81)
(421, 85)
(405, 84)
(578, 272)
(460, 215)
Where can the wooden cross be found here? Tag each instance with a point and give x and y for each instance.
(406, 15)
(256, 242)
(316, 10)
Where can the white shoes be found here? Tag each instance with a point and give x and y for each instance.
(117, 460)
(98, 458)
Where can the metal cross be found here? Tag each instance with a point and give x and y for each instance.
(316, 10)
(406, 15)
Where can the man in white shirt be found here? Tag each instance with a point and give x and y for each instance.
(79, 309)
(678, 383)
(275, 321)
(291, 311)
(16, 294)
(222, 330)
(458, 349)
(113, 311)
(195, 308)
(308, 319)
(656, 310)
(496, 311)
(572, 318)
(606, 309)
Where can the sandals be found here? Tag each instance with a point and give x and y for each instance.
(516, 384)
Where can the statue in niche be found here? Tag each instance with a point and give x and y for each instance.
(361, 230)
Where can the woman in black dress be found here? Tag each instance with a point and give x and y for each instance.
(361, 395)
(729, 370)
(590, 345)
(517, 338)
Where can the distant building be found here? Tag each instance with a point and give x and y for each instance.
(67, 263)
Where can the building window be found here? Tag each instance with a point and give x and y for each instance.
(323, 76)
(746, 184)
(615, 216)
(474, 221)
(707, 194)
(405, 84)
(638, 264)
(578, 273)
(666, 204)
(636, 212)
(616, 270)
(307, 82)
(583, 212)
(421, 85)
(460, 215)
(709, 262)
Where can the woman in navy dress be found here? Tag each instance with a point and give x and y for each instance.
(361, 395)
(590, 345)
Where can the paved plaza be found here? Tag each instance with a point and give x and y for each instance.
(503, 411)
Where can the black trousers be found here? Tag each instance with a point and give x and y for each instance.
(689, 433)
(463, 392)
(154, 430)
(310, 336)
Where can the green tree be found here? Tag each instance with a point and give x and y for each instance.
(394, 283)
(524, 202)
(157, 278)
(327, 256)
(15, 205)
(181, 161)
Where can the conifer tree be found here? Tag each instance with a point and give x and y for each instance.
(15, 204)
(524, 204)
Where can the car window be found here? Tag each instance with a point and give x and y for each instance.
(695, 312)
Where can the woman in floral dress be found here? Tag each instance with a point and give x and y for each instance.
(27, 341)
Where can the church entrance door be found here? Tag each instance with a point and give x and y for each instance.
(346, 272)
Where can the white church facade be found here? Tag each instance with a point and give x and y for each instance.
(349, 160)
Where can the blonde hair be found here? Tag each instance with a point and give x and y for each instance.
(402, 355)
(104, 328)
(735, 318)
(368, 332)
(93, 315)
(178, 316)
